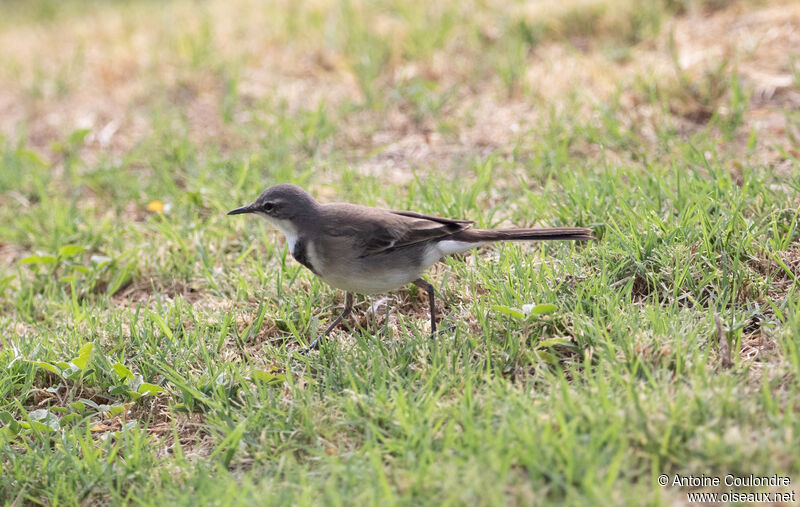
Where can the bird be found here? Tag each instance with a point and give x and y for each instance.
(366, 250)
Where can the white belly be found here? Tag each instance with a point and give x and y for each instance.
(381, 274)
(386, 281)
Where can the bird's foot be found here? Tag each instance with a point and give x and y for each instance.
(311, 346)
(442, 331)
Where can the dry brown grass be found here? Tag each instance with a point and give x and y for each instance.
(109, 70)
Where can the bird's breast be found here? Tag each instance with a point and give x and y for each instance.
(302, 251)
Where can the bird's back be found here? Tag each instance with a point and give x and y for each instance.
(377, 230)
(379, 248)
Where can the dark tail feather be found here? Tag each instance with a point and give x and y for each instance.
(551, 234)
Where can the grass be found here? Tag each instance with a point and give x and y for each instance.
(148, 341)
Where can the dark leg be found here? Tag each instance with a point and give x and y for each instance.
(423, 284)
(348, 307)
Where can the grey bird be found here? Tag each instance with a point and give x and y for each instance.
(365, 250)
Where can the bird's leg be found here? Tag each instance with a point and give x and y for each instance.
(348, 307)
(424, 284)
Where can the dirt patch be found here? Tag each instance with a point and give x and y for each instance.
(142, 290)
(11, 254)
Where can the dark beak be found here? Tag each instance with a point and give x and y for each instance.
(243, 209)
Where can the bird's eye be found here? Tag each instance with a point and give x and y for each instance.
(269, 206)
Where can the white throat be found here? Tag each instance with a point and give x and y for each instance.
(286, 227)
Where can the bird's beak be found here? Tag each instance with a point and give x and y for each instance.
(243, 209)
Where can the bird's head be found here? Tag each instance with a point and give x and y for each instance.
(281, 202)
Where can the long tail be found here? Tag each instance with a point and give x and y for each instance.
(551, 234)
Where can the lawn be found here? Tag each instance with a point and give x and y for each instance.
(149, 343)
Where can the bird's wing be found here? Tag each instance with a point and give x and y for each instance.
(441, 220)
(374, 231)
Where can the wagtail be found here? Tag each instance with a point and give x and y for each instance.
(367, 250)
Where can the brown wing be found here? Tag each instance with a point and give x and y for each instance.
(374, 231)
(414, 214)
